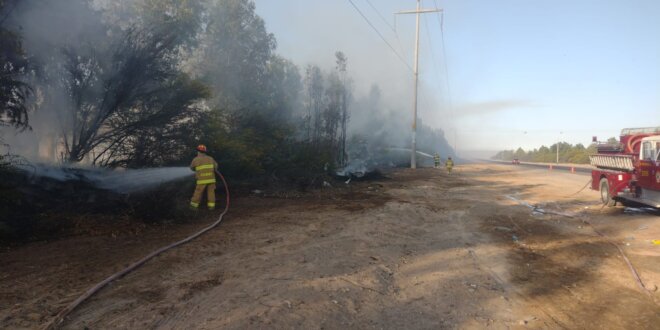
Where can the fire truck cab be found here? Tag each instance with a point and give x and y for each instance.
(629, 173)
(649, 163)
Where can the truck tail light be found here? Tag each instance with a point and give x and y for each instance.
(620, 177)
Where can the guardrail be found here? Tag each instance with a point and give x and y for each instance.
(573, 168)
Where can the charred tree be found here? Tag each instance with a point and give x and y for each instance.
(14, 92)
(117, 101)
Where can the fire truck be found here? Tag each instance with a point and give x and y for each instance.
(628, 173)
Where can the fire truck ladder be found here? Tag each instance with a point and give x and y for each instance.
(613, 162)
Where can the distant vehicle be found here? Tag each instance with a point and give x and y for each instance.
(515, 161)
(629, 172)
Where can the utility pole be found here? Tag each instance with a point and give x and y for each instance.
(560, 133)
(413, 155)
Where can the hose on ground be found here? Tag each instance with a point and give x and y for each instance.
(59, 318)
(632, 268)
(579, 191)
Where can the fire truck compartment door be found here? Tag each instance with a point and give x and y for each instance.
(649, 163)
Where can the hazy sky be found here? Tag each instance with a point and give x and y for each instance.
(519, 71)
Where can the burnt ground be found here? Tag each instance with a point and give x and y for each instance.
(417, 249)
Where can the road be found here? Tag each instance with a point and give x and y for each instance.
(491, 246)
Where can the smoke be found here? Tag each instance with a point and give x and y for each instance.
(482, 108)
(380, 115)
(381, 137)
(48, 28)
(381, 107)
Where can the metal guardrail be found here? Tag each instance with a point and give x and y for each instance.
(575, 169)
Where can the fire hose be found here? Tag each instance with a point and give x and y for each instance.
(59, 318)
(579, 191)
(632, 268)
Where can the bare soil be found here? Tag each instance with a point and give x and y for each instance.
(491, 246)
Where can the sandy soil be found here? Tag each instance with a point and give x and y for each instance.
(419, 249)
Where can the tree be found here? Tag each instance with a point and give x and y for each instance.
(283, 87)
(314, 102)
(14, 92)
(341, 67)
(519, 154)
(234, 57)
(121, 103)
(331, 117)
(577, 154)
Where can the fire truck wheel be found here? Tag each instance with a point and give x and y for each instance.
(605, 196)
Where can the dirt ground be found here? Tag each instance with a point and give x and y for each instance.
(491, 246)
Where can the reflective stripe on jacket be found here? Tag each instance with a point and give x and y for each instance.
(204, 167)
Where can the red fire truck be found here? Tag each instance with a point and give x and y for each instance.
(629, 172)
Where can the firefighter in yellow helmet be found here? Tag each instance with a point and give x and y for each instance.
(205, 167)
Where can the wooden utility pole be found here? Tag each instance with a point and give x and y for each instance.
(413, 155)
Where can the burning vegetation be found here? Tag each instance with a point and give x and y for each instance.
(138, 83)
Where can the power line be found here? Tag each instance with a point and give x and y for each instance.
(428, 38)
(393, 28)
(444, 57)
(440, 17)
(381, 16)
(437, 14)
(380, 35)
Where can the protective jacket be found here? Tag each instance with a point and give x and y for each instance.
(204, 167)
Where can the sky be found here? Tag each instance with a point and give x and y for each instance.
(517, 73)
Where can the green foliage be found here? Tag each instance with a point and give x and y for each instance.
(236, 56)
(568, 153)
(244, 146)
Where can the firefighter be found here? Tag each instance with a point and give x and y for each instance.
(449, 164)
(436, 160)
(205, 167)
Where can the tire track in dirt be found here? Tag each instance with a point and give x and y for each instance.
(418, 250)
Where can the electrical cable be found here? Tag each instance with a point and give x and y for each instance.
(380, 35)
(59, 318)
(431, 49)
(381, 16)
(441, 18)
(392, 27)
